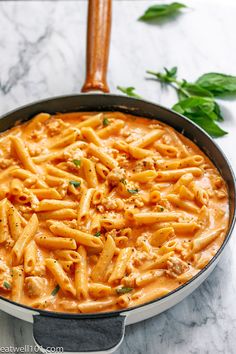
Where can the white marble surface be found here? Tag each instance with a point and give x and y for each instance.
(42, 46)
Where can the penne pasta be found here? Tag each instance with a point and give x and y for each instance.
(4, 231)
(104, 158)
(30, 257)
(60, 276)
(164, 176)
(60, 229)
(96, 306)
(60, 214)
(84, 205)
(17, 283)
(111, 129)
(24, 239)
(91, 136)
(23, 154)
(148, 139)
(81, 275)
(51, 204)
(90, 173)
(99, 271)
(150, 218)
(14, 222)
(144, 177)
(148, 277)
(104, 211)
(120, 265)
(50, 193)
(56, 243)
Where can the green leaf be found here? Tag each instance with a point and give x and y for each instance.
(193, 90)
(123, 290)
(209, 126)
(97, 234)
(171, 72)
(196, 106)
(168, 76)
(105, 122)
(75, 183)
(156, 12)
(6, 285)
(203, 111)
(77, 162)
(133, 191)
(217, 83)
(129, 91)
(55, 290)
(217, 111)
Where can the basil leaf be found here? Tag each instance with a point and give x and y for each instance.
(6, 285)
(123, 290)
(217, 111)
(202, 111)
(196, 106)
(129, 91)
(55, 290)
(209, 126)
(77, 162)
(193, 90)
(105, 122)
(97, 234)
(156, 12)
(75, 183)
(171, 73)
(133, 191)
(217, 83)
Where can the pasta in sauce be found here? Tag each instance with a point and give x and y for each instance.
(103, 211)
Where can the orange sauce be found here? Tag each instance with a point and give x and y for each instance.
(121, 193)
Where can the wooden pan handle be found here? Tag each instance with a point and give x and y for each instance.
(98, 41)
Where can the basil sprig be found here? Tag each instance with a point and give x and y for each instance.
(129, 91)
(196, 100)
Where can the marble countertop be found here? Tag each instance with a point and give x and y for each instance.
(42, 46)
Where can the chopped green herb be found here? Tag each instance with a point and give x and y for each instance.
(77, 162)
(105, 122)
(133, 191)
(123, 290)
(97, 234)
(6, 285)
(75, 183)
(123, 181)
(161, 208)
(55, 290)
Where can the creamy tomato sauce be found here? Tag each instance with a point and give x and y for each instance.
(103, 211)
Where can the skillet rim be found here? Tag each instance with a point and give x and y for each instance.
(66, 315)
